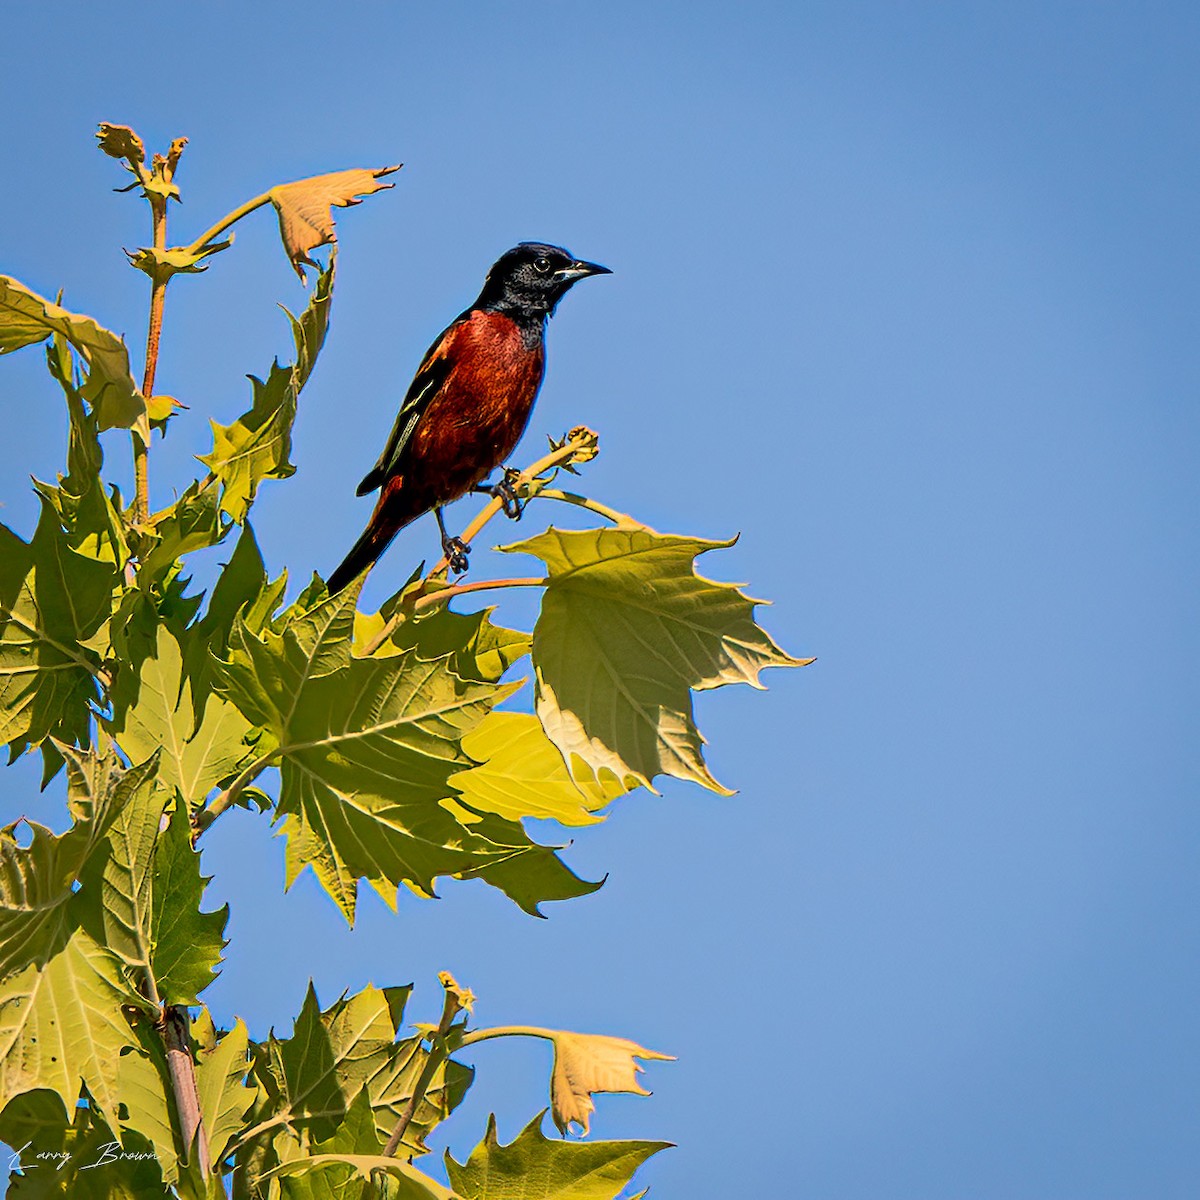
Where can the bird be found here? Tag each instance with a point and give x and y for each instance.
(468, 404)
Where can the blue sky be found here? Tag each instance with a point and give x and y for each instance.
(907, 294)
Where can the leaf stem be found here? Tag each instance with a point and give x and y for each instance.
(483, 1035)
(461, 589)
(438, 1053)
(207, 815)
(230, 218)
(591, 505)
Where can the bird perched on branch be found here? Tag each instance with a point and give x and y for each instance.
(466, 409)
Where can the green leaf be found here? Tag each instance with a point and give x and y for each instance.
(187, 942)
(114, 901)
(147, 1098)
(258, 444)
(534, 1167)
(37, 881)
(192, 523)
(80, 1160)
(313, 1076)
(522, 774)
(53, 601)
(628, 630)
(27, 318)
(160, 265)
(481, 651)
(158, 710)
(61, 1025)
(366, 749)
(221, 1068)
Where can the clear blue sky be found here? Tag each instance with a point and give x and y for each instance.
(908, 294)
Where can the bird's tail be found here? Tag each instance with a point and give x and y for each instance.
(384, 524)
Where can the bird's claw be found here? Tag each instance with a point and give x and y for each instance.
(511, 505)
(456, 552)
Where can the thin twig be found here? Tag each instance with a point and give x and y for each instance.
(141, 436)
(207, 815)
(437, 1055)
(182, 1068)
(573, 447)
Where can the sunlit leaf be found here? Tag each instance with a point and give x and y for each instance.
(258, 444)
(313, 1076)
(26, 318)
(627, 631)
(585, 1063)
(221, 1067)
(53, 600)
(158, 710)
(522, 774)
(61, 1025)
(366, 749)
(534, 1167)
(305, 208)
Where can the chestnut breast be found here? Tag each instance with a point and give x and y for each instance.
(475, 421)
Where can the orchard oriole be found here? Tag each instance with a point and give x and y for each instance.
(469, 403)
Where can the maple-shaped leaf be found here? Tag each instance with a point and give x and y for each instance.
(627, 631)
(535, 1167)
(312, 1078)
(522, 774)
(221, 1068)
(187, 941)
(76, 1159)
(156, 709)
(305, 208)
(119, 141)
(53, 601)
(366, 750)
(61, 1025)
(27, 318)
(147, 1098)
(585, 1063)
(37, 881)
(258, 444)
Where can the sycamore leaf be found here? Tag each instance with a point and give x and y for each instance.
(157, 710)
(312, 1077)
(187, 942)
(366, 750)
(37, 881)
(160, 265)
(221, 1068)
(26, 318)
(61, 1025)
(258, 444)
(305, 208)
(53, 600)
(147, 1104)
(522, 774)
(627, 631)
(481, 650)
(585, 1063)
(193, 522)
(79, 1159)
(535, 1167)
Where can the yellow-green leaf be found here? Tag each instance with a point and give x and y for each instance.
(535, 1167)
(522, 774)
(627, 631)
(258, 444)
(26, 318)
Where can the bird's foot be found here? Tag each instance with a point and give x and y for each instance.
(456, 552)
(511, 505)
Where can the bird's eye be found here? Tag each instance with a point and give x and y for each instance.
(541, 265)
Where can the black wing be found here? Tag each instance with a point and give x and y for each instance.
(424, 387)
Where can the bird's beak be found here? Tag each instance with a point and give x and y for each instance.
(580, 270)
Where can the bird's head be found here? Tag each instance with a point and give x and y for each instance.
(532, 278)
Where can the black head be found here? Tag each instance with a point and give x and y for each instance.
(530, 279)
